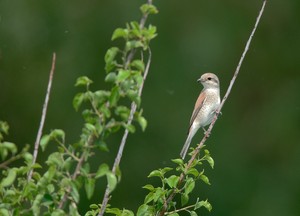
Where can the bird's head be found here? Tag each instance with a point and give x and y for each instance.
(209, 80)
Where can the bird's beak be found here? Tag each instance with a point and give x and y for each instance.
(199, 80)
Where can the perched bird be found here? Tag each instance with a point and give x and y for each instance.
(205, 107)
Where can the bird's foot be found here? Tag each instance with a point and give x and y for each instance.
(205, 131)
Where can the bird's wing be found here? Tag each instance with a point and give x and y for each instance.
(198, 105)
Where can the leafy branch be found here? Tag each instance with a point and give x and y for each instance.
(146, 10)
(195, 152)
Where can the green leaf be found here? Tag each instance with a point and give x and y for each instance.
(36, 166)
(172, 181)
(90, 128)
(83, 81)
(10, 178)
(102, 170)
(110, 58)
(114, 211)
(102, 145)
(10, 146)
(50, 188)
(123, 112)
(149, 197)
(149, 187)
(148, 9)
(133, 96)
(77, 101)
(193, 213)
(150, 33)
(4, 127)
(4, 212)
(36, 203)
(189, 186)
(55, 159)
(129, 127)
(133, 44)
(120, 33)
(49, 175)
(73, 210)
(155, 173)
(211, 162)
(105, 110)
(138, 64)
(159, 193)
(173, 214)
(143, 210)
(126, 212)
(184, 199)
(44, 141)
(178, 161)
(28, 157)
(89, 186)
(205, 179)
(59, 212)
(101, 96)
(138, 79)
(118, 173)
(203, 203)
(165, 170)
(111, 77)
(94, 206)
(85, 169)
(123, 75)
(112, 181)
(143, 122)
(74, 192)
(114, 97)
(193, 171)
(58, 134)
(68, 163)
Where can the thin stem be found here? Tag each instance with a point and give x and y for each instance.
(44, 112)
(4, 164)
(200, 145)
(179, 210)
(76, 172)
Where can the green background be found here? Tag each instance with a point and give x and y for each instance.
(255, 143)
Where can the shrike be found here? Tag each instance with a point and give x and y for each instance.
(205, 107)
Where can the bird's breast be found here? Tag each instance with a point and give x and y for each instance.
(207, 111)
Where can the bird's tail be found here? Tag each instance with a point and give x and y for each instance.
(186, 146)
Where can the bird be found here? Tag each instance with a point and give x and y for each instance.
(205, 107)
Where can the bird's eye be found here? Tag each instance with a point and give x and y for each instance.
(209, 78)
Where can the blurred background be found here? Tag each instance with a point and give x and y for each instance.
(255, 143)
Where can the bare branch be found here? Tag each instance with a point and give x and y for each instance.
(200, 145)
(44, 112)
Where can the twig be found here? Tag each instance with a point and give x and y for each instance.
(200, 145)
(45, 106)
(179, 210)
(76, 172)
(4, 164)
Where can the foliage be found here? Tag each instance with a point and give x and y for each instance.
(55, 186)
(180, 182)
